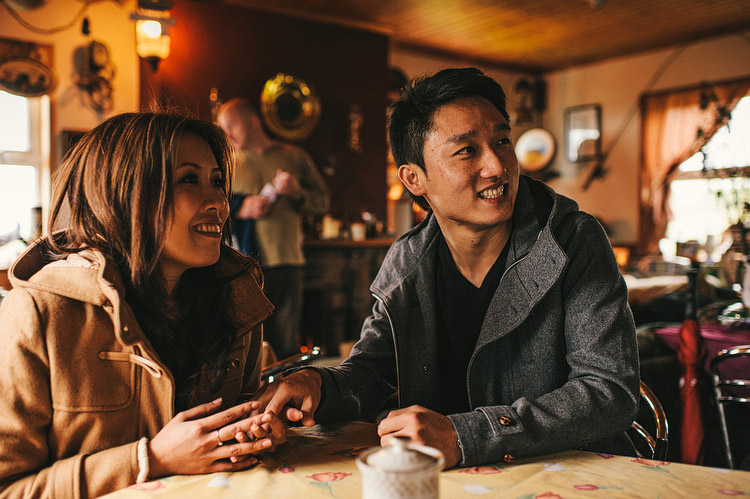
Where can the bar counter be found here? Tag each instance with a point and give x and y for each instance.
(336, 288)
(375, 242)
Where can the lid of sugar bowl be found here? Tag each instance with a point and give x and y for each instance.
(401, 456)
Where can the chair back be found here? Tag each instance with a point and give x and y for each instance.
(730, 387)
(657, 445)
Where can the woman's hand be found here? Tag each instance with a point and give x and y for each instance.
(193, 441)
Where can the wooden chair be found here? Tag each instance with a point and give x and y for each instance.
(730, 390)
(643, 439)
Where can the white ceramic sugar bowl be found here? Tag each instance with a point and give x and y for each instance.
(400, 470)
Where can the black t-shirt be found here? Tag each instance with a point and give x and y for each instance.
(461, 308)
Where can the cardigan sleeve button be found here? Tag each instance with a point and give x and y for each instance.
(508, 458)
(234, 364)
(505, 421)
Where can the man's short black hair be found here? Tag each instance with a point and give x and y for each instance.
(411, 117)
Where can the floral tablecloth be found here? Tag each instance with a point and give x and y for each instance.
(319, 462)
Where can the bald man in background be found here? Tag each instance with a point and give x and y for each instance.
(274, 184)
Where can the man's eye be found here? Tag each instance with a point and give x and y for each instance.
(504, 141)
(465, 150)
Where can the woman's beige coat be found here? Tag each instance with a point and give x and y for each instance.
(79, 382)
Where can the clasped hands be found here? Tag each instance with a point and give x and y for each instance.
(296, 398)
(202, 440)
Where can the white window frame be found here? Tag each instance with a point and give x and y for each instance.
(738, 174)
(39, 152)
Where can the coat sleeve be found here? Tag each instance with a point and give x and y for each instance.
(599, 400)
(27, 466)
(360, 387)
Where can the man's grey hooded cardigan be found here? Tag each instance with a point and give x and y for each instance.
(556, 353)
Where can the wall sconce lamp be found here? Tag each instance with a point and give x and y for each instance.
(152, 22)
(524, 93)
(532, 99)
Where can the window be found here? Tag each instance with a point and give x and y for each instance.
(24, 165)
(709, 192)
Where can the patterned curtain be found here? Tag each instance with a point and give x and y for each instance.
(675, 126)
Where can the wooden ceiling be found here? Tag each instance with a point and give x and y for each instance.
(531, 35)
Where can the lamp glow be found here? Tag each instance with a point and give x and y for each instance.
(150, 42)
(151, 24)
(149, 28)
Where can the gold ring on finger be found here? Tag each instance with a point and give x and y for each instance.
(219, 443)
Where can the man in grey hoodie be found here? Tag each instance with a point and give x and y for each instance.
(501, 327)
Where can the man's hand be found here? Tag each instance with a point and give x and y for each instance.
(424, 427)
(295, 397)
(287, 184)
(254, 207)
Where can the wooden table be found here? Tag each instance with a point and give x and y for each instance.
(319, 462)
(644, 289)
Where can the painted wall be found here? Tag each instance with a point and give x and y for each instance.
(414, 63)
(617, 85)
(110, 23)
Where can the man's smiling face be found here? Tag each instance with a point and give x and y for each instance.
(471, 176)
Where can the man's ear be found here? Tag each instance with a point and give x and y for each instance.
(412, 176)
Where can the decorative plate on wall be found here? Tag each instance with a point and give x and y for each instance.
(535, 149)
(289, 107)
(26, 77)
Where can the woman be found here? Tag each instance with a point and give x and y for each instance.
(138, 310)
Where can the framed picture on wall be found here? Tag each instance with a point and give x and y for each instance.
(583, 133)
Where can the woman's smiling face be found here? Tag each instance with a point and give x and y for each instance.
(200, 210)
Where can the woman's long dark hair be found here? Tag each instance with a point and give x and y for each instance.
(113, 193)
